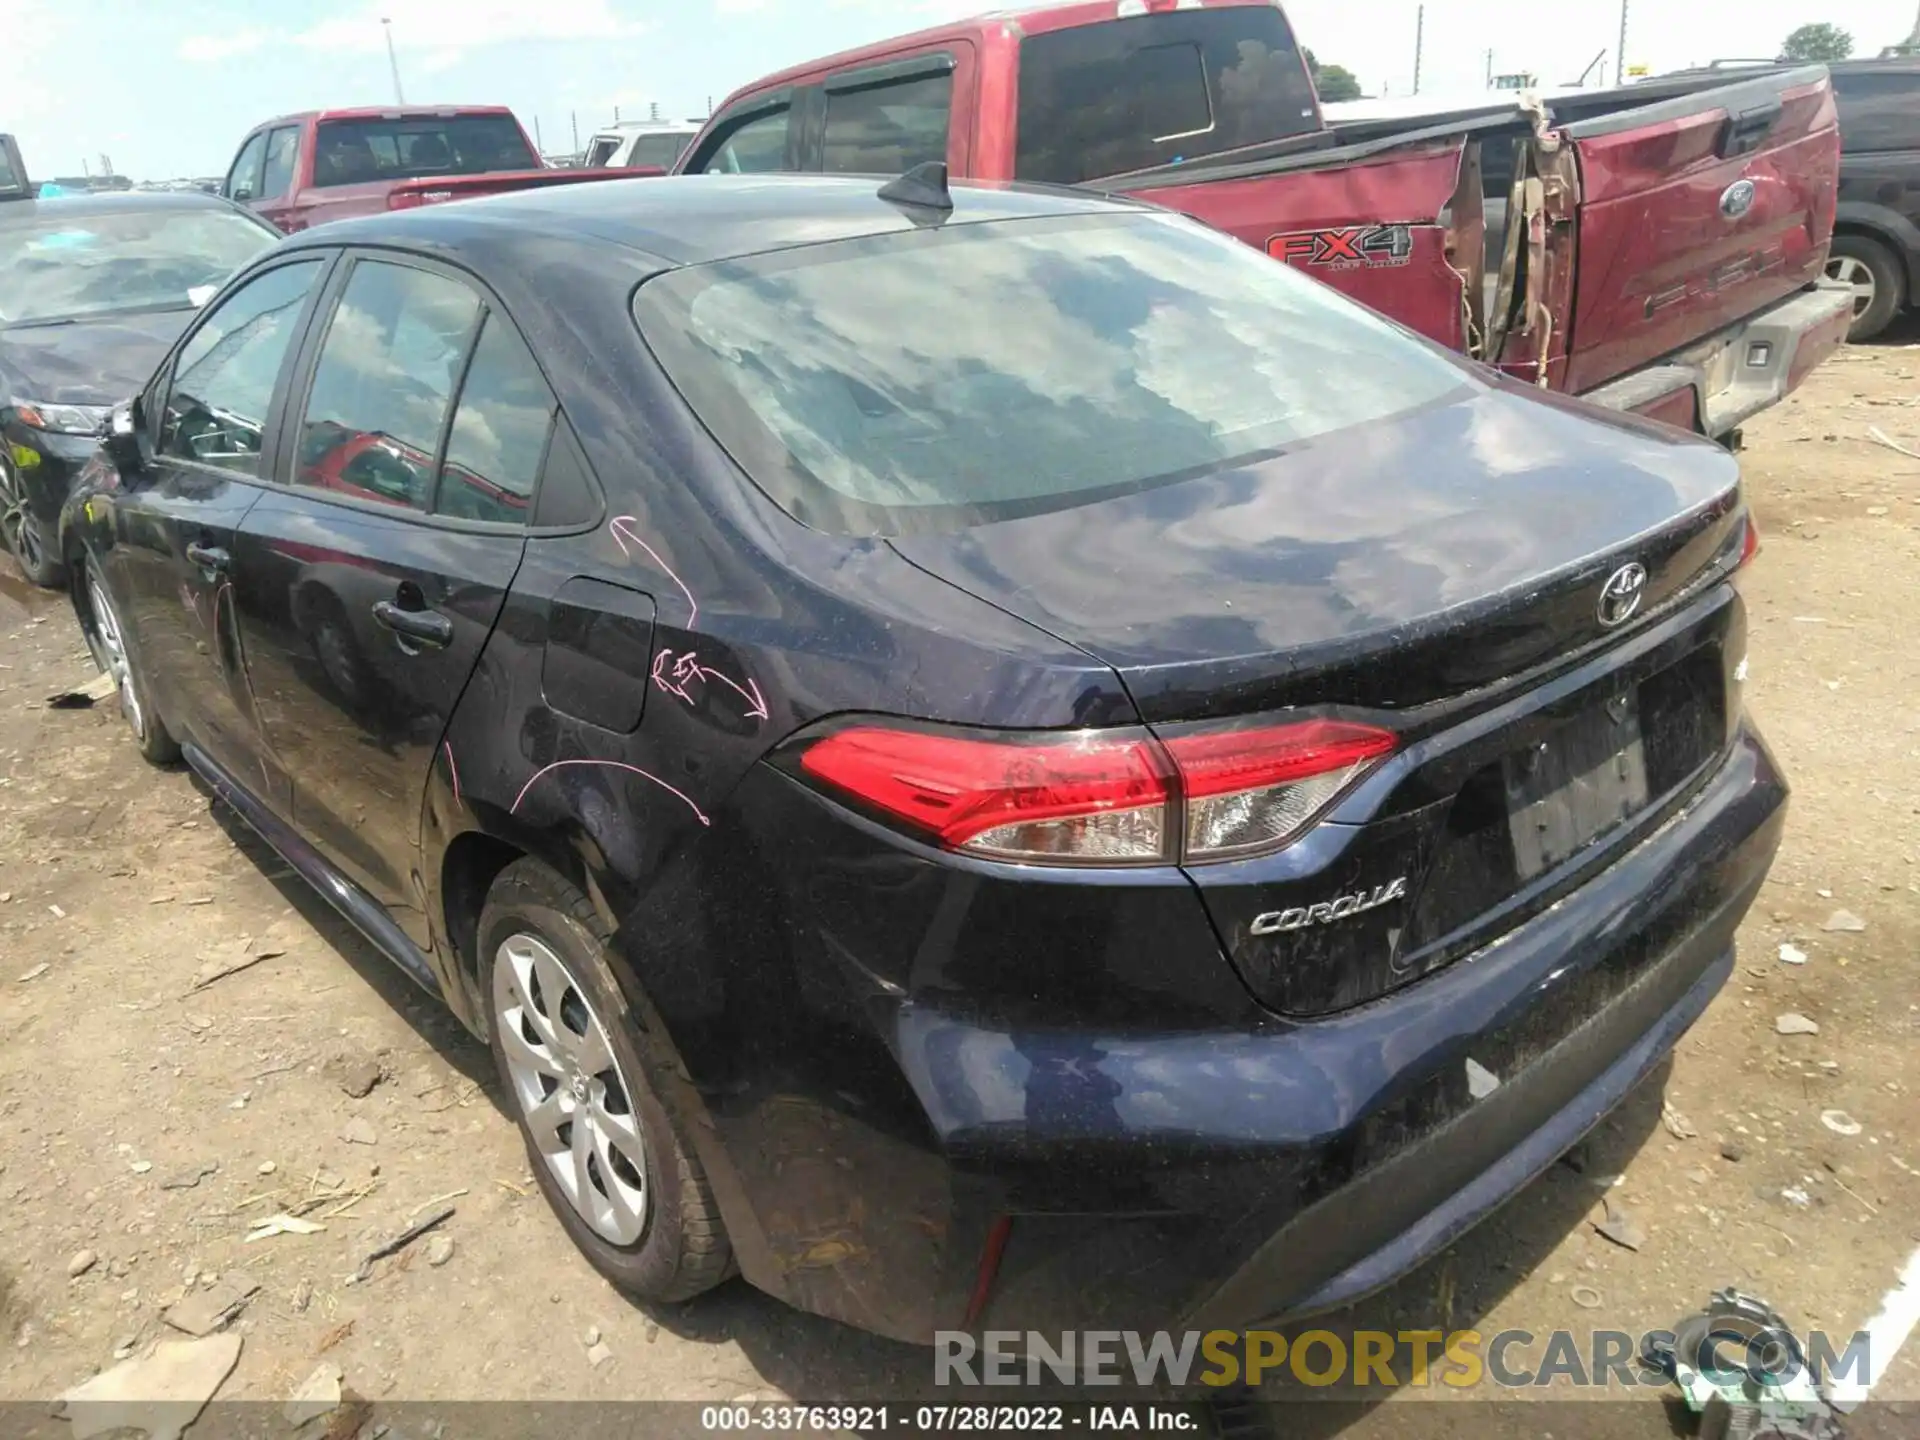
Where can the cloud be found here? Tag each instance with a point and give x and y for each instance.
(445, 29)
(207, 48)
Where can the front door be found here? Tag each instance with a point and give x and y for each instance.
(369, 579)
(175, 525)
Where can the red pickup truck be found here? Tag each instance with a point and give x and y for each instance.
(301, 170)
(1657, 248)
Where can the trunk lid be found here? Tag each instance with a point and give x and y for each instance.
(1385, 566)
(1695, 211)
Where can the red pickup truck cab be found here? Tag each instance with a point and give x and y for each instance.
(301, 170)
(1656, 248)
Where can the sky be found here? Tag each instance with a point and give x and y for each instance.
(168, 88)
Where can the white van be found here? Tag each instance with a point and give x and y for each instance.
(655, 144)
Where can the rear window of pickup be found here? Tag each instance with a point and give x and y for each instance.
(1098, 100)
(354, 152)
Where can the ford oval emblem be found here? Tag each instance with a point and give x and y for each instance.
(1622, 594)
(1737, 199)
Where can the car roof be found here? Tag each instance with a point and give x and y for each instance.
(382, 112)
(116, 202)
(695, 219)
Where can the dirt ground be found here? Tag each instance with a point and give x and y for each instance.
(152, 1124)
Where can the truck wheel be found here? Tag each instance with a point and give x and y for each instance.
(630, 1194)
(1879, 285)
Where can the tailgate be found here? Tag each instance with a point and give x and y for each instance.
(1697, 211)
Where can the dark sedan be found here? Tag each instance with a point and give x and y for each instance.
(93, 289)
(990, 758)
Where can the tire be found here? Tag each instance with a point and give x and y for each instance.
(27, 537)
(538, 935)
(112, 647)
(1879, 283)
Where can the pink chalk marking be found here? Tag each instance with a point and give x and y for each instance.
(625, 528)
(687, 668)
(698, 814)
(454, 771)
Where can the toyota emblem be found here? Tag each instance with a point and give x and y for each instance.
(1620, 597)
(1737, 199)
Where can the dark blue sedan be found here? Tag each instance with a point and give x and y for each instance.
(983, 758)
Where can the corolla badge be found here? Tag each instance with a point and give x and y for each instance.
(1622, 594)
(1303, 917)
(1737, 199)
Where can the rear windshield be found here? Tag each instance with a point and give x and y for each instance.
(945, 377)
(1099, 100)
(352, 152)
(58, 263)
(659, 150)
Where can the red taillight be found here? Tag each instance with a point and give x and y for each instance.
(1110, 797)
(1749, 543)
(1254, 790)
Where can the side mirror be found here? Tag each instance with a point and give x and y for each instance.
(242, 193)
(126, 439)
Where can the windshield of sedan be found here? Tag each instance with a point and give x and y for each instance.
(945, 377)
(60, 264)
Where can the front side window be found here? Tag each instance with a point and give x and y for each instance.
(354, 152)
(383, 385)
(1102, 99)
(499, 431)
(601, 151)
(243, 181)
(756, 148)
(223, 380)
(941, 378)
(282, 146)
(888, 128)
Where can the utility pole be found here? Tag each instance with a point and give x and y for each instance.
(1489, 69)
(538, 144)
(393, 62)
(574, 115)
(1620, 50)
(616, 114)
(1419, 43)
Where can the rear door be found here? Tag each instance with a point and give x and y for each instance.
(1695, 212)
(210, 415)
(370, 576)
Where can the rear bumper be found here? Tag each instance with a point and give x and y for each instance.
(1726, 379)
(1218, 1180)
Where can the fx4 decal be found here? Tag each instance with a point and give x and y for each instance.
(1349, 247)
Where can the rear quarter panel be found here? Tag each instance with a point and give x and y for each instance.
(1660, 264)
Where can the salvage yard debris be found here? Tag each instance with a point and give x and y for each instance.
(399, 1242)
(161, 1394)
(231, 959)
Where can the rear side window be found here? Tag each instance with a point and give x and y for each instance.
(1102, 99)
(659, 150)
(1878, 111)
(216, 411)
(756, 147)
(889, 127)
(384, 383)
(353, 152)
(499, 432)
(940, 378)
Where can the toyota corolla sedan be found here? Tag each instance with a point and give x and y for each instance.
(983, 758)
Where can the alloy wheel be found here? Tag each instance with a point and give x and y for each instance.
(1854, 274)
(113, 646)
(577, 1105)
(17, 531)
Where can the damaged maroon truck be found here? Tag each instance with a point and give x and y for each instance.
(1657, 248)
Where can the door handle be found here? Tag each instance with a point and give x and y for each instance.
(423, 627)
(208, 557)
